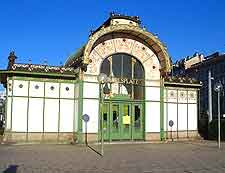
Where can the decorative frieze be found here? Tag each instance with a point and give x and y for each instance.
(124, 45)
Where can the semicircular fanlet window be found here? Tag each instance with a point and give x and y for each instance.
(127, 74)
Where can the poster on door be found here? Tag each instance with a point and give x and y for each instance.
(126, 119)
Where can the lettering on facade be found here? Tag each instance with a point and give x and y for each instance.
(128, 81)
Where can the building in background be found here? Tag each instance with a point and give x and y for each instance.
(47, 103)
(198, 67)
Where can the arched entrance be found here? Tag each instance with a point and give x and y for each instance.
(123, 110)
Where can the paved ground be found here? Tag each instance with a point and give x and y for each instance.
(148, 158)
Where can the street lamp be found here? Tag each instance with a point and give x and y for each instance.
(103, 79)
(1, 113)
(1, 103)
(218, 88)
(210, 78)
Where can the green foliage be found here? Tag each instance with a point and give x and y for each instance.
(203, 128)
(213, 130)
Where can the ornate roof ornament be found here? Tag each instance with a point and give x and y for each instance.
(12, 57)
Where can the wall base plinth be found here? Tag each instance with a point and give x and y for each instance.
(71, 138)
(16, 137)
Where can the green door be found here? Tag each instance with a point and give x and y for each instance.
(138, 122)
(115, 122)
(126, 121)
(106, 121)
(122, 121)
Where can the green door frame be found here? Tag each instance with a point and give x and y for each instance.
(108, 125)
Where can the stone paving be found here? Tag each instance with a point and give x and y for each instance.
(185, 157)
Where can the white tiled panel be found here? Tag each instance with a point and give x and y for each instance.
(51, 90)
(19, 114)
(172, 95)
(51, 115)
(182, 116)
(192, 117)
(152, 117)
(152, 93)
(91, 90)
(172, 115)
(35, 116)
(36, 89)
(91, 107)
(66, 115)
(67, 90)
(20, 88)
(8, 118)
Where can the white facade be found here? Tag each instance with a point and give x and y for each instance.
(35, 106)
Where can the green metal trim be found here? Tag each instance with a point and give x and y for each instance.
(86, 98)
(167, 137)
(162, 132)
(39, 74)
(187, 115)
(90, 82)
(6, 105)
(110, 120)
(44, 79)
(151, 86)
(157, 101)
(43, 113)
(177, 113)
(74, 109)
(132, 120)
(144, 120)
(99, 115)
(28, 105)
(12, 103)
(120, 97)
(59, 111)
(45, 97)
(80, 112)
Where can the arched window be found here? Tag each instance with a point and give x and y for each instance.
(127, 73)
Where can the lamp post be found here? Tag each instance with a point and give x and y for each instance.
(210, 78)
(103, 79)
(218, 88)
(1, 113)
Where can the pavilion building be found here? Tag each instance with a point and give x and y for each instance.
(136, 102)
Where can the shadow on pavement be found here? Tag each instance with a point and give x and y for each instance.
(94, 150)
(11, 169)
(86, 141)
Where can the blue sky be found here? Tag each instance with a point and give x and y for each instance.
(52, 30)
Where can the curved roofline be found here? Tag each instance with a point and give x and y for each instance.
(149, 38)
(75, 56)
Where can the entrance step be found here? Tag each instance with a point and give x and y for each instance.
(131, 142)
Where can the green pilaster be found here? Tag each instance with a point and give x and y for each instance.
(43, 112)
(80, 111)
(6, 103)
(28, 104)
(59, 111)
(12, 87)
(162, 132)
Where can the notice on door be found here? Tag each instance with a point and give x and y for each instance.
(126, 119)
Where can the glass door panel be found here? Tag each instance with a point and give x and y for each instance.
(138, 127)
(126, 121)
(115, 121)
(106, 126)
